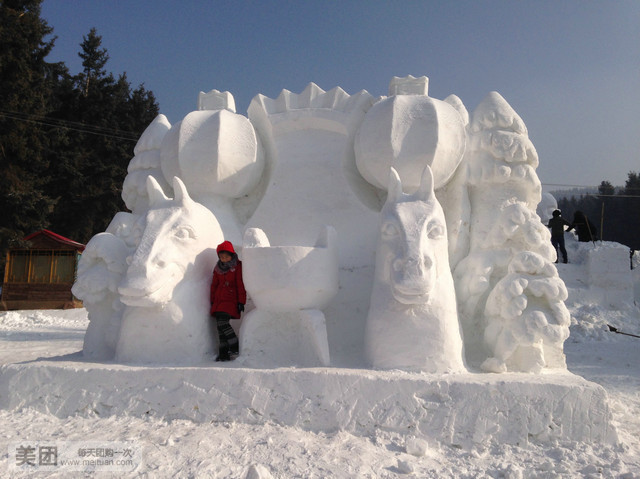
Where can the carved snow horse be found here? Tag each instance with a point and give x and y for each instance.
(166, 288)
(413, 321)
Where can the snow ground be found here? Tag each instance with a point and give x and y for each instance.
(181, 448)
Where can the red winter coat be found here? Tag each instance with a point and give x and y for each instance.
(227, 290)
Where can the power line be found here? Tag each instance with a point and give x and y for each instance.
(67, 123)
(71, 125)
(612, 196)
(571, 186)
(591, 194)
(78, 124)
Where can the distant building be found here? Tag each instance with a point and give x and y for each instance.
(41, 276)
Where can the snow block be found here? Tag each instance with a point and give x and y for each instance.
(462, 410)
(297, 338)
(610, 279)
(290, 278)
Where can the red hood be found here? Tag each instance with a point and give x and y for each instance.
(225, 246)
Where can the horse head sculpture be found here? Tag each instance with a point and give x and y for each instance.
(413, 240)
(413, 322)
(171, 236)
(166, 287)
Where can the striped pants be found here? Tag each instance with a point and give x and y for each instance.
(227, 339)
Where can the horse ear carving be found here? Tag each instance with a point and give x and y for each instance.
(180, 191)
(426, 185)
(155, 192)
(395, 186)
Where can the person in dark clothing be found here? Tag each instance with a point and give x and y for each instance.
(585, 229)
(228, 298)
(557, 224)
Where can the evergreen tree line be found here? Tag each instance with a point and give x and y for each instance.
(65, 139)
(614, 211)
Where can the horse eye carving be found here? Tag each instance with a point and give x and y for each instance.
(185, 232)
(435, 230)
(389, 230)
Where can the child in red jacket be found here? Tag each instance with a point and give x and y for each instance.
(228, 298)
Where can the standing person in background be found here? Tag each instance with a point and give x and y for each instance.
(557, 224)
(586, 229)
(228, 298)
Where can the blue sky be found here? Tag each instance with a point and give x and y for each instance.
(571, 69)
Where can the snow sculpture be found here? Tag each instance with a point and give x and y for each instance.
(546, 207)
(215, 152)
(504, 191)
(101, 267)
(413, 322)
(408, 132)
(303, 161)
(216, 100)
(166, 287)
(146, 162)
(311, 180)
(309, 139)
(290, 285)
(527, 319)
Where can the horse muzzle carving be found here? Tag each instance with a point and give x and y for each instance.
(412, 280)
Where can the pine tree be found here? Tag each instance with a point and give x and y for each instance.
(632, 185)
(606, 188)
(65, 141)
(630, 216)
(87, 175)
(26, 82)
(93, 60)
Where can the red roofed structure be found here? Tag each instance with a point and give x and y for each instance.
(56, 239)
(41, 275)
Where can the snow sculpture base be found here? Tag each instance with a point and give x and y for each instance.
(305, 343)
(462, 410)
